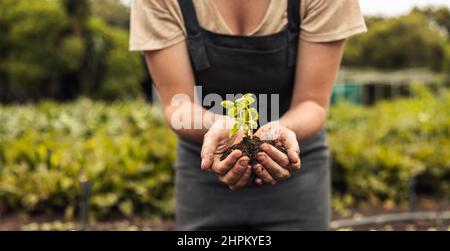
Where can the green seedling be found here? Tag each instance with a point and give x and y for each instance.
(246, 117)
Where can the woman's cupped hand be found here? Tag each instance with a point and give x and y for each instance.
(272, 165)
(234, 170)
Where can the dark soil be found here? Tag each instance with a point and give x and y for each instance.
(250, 147)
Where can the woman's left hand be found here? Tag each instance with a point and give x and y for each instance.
(273, 165)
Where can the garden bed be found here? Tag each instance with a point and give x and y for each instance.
(113, 223)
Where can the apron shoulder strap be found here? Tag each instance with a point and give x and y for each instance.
(293, 30)
(196, 44)
(294, 15)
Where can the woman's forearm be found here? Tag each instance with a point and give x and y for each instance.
(305, 119)
(318, 64)
(189, 120)
(192, 121)
(174, 79)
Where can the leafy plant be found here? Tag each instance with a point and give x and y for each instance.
(246, 117)
(377, 150)
(123, 149)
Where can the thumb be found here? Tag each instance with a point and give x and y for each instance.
(208, 149)
(289, 140)
(293, 156)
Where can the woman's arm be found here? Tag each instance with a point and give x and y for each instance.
(317, 67)
(172, 74)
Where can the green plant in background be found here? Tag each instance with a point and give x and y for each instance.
(246, 117)
(377, 150)
(123, 149)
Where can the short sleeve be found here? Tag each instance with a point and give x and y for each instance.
(330, 20)
(154, 25)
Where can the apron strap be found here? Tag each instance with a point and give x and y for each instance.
(293, 30)
(196, 44)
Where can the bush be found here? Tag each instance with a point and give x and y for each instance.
(376, 151)
(123, 149)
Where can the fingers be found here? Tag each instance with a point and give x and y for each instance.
(207, 159)
(293, 156)
(208, 148)
(289, 140)
(243, 181)
(263, 176)
(275, 154)
(259, 181)
(294, 159)
(232, 176)
(275, 170)
(252, 177)
(222, 167)
(291, 161)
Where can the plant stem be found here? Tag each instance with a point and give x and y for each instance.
(251, 119)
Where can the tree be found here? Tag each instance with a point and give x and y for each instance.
(401, 42)
(441, 16)
(36, 49)
(80, 81)
(113, 12)
(54, 49)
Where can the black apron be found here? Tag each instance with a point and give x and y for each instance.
(225, 64)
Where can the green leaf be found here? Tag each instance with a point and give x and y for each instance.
(246, 115)
(232, 112)
(254, 115)
(240, 100)
(233, 130)
(240, 121)
(247, 95)
(227, 104)
(240, 109)
(126, 207)
(253, 124)
(242, 104)
(249, 98)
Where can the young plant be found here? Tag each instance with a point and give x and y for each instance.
(246, 117)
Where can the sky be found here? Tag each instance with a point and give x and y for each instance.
(388, 7)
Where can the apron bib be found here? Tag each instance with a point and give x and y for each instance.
(225, 64)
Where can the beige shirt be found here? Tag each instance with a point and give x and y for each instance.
(158, 24)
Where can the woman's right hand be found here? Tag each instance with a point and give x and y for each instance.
(234, 171)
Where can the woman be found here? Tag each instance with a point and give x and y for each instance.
(289, 48)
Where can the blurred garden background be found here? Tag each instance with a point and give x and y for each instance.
(83, 143)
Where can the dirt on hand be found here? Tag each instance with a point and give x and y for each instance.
(250, 146)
